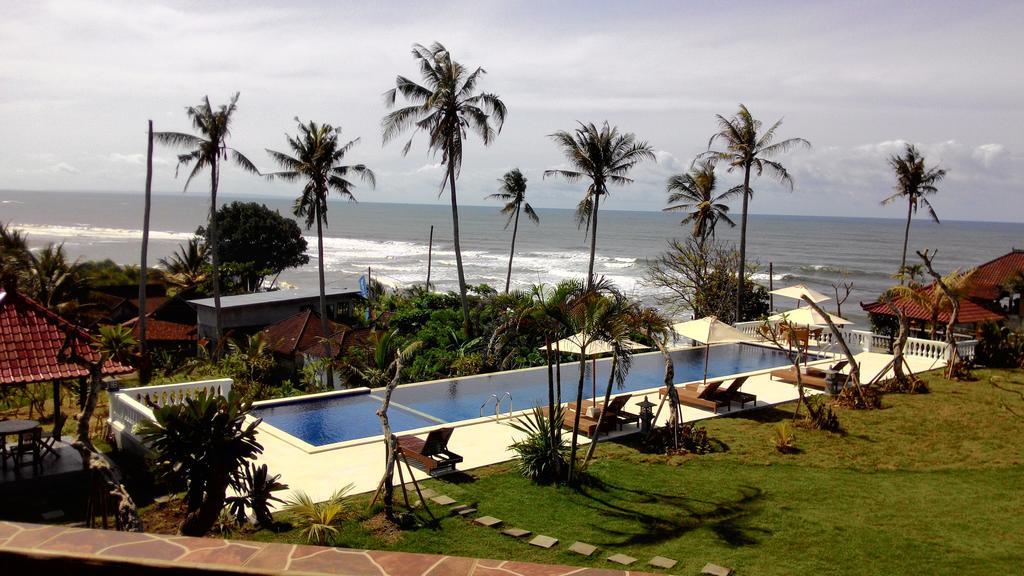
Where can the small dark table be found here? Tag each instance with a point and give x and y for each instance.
(13, 427)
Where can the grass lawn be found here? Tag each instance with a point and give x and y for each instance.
(930, 484)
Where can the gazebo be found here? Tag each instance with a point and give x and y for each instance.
(31, 338)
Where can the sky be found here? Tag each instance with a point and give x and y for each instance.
(857, 79)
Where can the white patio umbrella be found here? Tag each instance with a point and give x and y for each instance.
(573, 345)
(807, 316)
(709, 330)
(798, 292)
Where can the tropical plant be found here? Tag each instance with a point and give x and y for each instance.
(914, 183)
(447, 106)
(257, 243)
(748, 148)
(256, 488)
(112, 343)
(186, 268)
(513, 193)
(207, 151)
(599, 156)
(203, 444)
(255, 357)
(317, 161)
(694, 192)
(542, 452)
(783, 438)
(318, 521)
(382, 347)
(56, 282)
(15, 255)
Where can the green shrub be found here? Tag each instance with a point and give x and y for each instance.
(256, 489)
(317, 521)
(540, 459)
(785, 440)
(999, 347)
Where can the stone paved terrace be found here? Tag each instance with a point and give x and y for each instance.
(26, 548)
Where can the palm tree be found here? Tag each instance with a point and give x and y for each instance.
(602, 157)
(208, 150)
(184, 268)
(748, 148)
(513, 193)
(318, 163)
(447, 107)
(695, 192)
(56, 282)
(15, 255)
(914, 181)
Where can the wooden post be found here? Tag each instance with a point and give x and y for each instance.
(142, 266)
(56, 400)
(430, 254)
(771, 286)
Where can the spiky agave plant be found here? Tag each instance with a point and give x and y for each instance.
(542, 454)
(317, 521)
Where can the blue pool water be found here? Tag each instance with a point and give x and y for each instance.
(336, 419)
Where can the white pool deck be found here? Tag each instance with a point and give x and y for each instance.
(481, 444)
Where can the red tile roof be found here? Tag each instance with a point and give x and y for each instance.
(31, 338)
(164, 331)
(989, 278)
(971, 312)
(341, 342)
(297, 332)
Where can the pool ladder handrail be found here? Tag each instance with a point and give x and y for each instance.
(497, 405)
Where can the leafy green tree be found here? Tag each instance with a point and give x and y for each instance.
(914, 183)
(207, 151)
(447, 106)
(599, 156)
(203, 443)
(513, 193)
(257, 241)
(694, 192)
(318, 163)
(750, 149)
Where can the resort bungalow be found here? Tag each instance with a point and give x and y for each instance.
(255, 311)
(170, 326)
(299, 337)
(993, 295)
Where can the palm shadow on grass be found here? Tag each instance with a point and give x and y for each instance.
(728, 519)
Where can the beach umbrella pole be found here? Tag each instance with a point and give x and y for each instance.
(707, 351)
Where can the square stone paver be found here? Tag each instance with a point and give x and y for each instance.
(427, 492)
(621, 559)
(582, 548)
(462, 510)
(443, 500)
(516, 532)
(715, 570)
(489, 521)
(662, 562)
(544, 541)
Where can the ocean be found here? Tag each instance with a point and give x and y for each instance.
(392, 240)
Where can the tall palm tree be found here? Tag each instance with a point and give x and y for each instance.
(694, 192)
(317, 161)
(207, 150)
(513, 193)
(914, 181)
(601, 156)
(748, 148)
(447, 106)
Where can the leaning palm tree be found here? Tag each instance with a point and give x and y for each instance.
(317, 161)
(207, 150)
(601, 156)
(513, 193)
(914, 181)
(694, 192)
(748, 148)
(185, 267)
(447, 106)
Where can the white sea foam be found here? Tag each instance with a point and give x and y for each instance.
(83, 231)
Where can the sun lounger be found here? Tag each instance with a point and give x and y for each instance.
(812, 377)
(588, 425)
(732, 392)
(705, 398)
(432, 454)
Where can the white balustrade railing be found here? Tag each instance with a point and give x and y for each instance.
(751, 329)
(933, 349)
(965, 349)
(130, 406)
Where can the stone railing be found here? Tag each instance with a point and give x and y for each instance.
(933, 349)
(130, 406)
(965, 349)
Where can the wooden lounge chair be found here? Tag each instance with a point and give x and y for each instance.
(49, 444)
(732, 393)
(430, 455)
(617, 411)
(706, 399)
(813, 377)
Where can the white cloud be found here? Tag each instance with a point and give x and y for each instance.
(64, 167)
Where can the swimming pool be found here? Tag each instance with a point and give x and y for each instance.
(339, 418)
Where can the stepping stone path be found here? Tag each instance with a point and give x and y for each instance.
(516, 532)
(621, 559)
(443, 500)
(463, 510)
(715, 570)
(544, 541)
(489, 521)
(427, 492)
(662, 562)
(582, 548)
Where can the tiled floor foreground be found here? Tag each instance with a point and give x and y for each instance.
(28, 548)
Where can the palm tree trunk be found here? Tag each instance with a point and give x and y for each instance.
(144, 372)
(906, 239)
(554, 426)
(512, 251)
(201, 520)
(466, 327)
(325, 325)
(741, 273)
(600, 419)
(215, 255)
(576, 419)
(593, 241)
